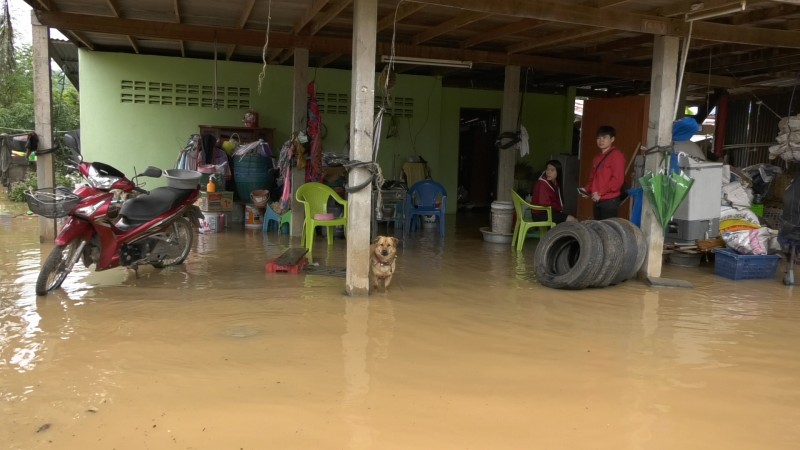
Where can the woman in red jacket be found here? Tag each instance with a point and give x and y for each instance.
(547, 192)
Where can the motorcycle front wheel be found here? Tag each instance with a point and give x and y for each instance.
(56, 267)
(181, 240)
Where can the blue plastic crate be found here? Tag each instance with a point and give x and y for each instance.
(729, 264)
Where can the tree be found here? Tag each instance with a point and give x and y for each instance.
(16, 98)
(16, 86)
(7, 54)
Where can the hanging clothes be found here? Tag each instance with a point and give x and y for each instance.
(314, 168)
(285, 167)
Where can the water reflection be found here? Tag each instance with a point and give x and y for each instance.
(466, 351)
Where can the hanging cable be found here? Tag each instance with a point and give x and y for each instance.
(263, 73)
(684, 56)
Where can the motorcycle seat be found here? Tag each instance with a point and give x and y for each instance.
(147, 207)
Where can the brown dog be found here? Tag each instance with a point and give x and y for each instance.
(383, 253)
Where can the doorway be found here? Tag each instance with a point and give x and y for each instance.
(477, 157)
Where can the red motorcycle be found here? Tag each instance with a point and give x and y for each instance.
(105, 227)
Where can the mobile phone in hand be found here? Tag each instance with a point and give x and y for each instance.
(582, 192)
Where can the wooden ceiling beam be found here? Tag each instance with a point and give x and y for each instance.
(565, 13)
(605, 3)
(166, 30)
(619, 44)
(565, 37)
(117, 11)
(328, 59)
(247, 11)
(528, 24)
(462, 19)
(684, 7)
(47, 5)
(176, 6)
(556, 39)
(763, 15)
(765, 37)
(400, 13)
(792, 25)
(80, 37)
(327, 16)
(507, 30)
(631, 54)
(316, 7)
(272, 54)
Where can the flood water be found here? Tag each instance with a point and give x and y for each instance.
(467, 351)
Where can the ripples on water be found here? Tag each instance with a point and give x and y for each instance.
(467, 350)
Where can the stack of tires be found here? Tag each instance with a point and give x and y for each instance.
(592, 253)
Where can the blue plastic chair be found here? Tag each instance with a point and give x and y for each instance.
(269, 217)
(421, 201)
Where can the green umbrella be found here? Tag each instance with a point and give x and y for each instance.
(666, 191)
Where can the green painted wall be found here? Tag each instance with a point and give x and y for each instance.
(548, 119)
(424, 115)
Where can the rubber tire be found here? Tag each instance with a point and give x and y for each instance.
(629, 250)
(612, 253)
(568, 242)
(54, 269)
(632, 234)
(185, 232)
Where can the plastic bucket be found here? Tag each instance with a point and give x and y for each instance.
(213, 222)
(502, 217)
(253, 216)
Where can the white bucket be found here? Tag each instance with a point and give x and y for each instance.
(213, 222)
(502, 217)
(253, 216)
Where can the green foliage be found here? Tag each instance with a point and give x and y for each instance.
(17, 192)
(16, 97)
(61, 159)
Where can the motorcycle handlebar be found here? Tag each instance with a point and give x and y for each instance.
(140, 190)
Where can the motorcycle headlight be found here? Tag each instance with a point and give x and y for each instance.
(101, 181)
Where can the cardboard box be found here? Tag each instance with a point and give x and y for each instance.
(215, 201)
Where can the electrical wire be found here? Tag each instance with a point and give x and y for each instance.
(263, 73)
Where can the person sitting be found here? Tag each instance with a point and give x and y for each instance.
(547, 192)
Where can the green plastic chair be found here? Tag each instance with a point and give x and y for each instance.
(523, 224)
(314, 197)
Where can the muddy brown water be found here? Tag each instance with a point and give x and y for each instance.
(466, 352)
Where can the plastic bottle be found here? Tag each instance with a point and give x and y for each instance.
(211, 187)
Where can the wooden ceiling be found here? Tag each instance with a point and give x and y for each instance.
(603, 47)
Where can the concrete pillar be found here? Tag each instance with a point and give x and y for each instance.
(659, 132)
(299, 112)
(362, 95)
(508, 123)
(43, 113)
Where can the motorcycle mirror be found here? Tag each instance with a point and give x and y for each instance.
(75, 155)
(152, 172)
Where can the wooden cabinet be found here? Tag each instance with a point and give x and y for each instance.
(246, 134)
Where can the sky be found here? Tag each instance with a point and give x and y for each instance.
(21, 21)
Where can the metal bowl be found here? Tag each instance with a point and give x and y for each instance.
(496, 238)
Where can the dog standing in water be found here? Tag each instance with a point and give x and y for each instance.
(382, 256)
